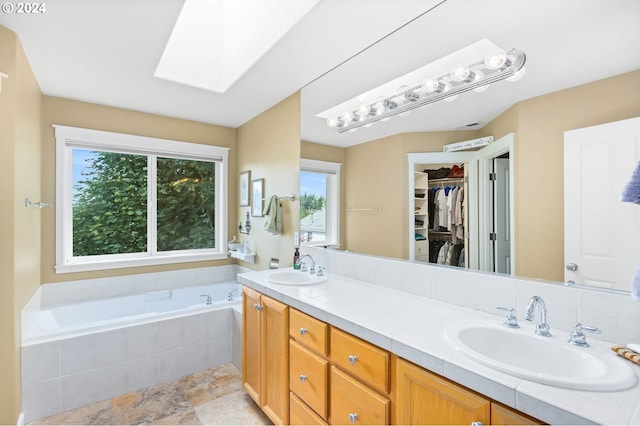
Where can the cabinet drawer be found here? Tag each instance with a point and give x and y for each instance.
(355, 403)
(308, 375)
(309, 331)
(301, 414)
(421, 248)
(363, 360)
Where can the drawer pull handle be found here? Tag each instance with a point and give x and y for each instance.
(303, 377)
(476, 423)
(258, 307)
(353, 417)
(303, 331)
(353, 359)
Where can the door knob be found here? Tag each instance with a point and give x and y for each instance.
(303, 377)
(353, 417)
(353, 359)
(303, 331)
(572, 267)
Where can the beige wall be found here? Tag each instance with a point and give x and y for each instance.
(541, 123)
(81, 114)
(19, 227)
(376, 172)
(269, 146)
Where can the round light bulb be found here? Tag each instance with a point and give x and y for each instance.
(433, 86)
(495, 59)
(332, 122)
(363, 110)
(461, 74)
(347, 117)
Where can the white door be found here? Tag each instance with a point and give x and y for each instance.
(501, 216)
(602, 234)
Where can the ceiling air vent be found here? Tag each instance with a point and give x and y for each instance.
(474, 125)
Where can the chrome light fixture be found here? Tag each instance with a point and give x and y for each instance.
(497, 65)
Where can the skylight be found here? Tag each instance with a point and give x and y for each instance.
(214, 42)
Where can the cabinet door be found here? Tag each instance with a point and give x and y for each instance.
(503, 415)
(251, 348)
(275, 360)
(426, 398)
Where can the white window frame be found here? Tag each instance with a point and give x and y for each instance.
(68, 138)
(332, 170)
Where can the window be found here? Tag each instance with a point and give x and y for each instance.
(319, 203)
(124, 200)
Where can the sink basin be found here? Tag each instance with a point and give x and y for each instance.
(294, 278)
(546, 360)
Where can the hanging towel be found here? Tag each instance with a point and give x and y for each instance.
(273, 212)
(631, 194)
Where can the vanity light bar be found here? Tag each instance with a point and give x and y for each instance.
(473, 77)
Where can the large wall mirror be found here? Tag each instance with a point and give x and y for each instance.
(579, 73)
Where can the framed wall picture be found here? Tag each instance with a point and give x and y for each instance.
(245, 178)
(257, 195)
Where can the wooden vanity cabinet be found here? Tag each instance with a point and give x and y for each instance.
(265, 354)
(301, 371)
(423, 397)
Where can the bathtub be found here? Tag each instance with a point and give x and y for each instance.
(76, 319)
(80, 353)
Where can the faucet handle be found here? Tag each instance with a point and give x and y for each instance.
(320, 271)
(511, 320)
(578, 338)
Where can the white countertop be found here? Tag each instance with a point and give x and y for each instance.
(413, 327)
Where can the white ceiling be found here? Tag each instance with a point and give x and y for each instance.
(106, 52)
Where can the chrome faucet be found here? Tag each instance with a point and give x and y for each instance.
(230, 295)
(209, 300)
(304, 268)
(577, 336)
(542, 328)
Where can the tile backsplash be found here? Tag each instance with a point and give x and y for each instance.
(616, 314)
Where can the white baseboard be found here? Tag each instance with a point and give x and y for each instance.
(20, 420)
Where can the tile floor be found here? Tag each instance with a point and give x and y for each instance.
(210, 397)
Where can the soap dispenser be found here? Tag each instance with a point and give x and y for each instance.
(296, 256)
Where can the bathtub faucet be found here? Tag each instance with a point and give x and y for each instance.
(209, 301)
(231, 293)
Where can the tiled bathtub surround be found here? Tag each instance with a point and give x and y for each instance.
(617, 315)
(69, 373)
